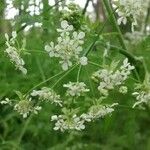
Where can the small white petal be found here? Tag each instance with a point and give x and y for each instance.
(83, 61)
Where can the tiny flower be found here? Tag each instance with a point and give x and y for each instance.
(6, 101)
(132, 9)
(24, 107)
(109, 79)
(76, 88)
(64, 122)
(123, 89)
(99, 111)
(68, 47)
(13, 53)
(37, 109)
(47, 95)
(83, 61)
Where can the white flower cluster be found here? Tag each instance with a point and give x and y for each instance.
(48, 95)
(98, 111)
(141, 97)
(13, 53)
(25, 107)
(74, 122)
(110, 79)
(76, 88)
(130, 8)
(68, 123)
(68, 47)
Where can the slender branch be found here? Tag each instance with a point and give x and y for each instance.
(41, 83)
(85, 7)
(114, 22)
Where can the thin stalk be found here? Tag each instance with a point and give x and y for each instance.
(114, 23)
(41, 83)
(85, 7)
(64, 75)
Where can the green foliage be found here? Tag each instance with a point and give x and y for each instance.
(125, 129)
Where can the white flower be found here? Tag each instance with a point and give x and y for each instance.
(6, 101)
(131, 8)
(123, 89)
(76, 88)
(99, 111)
(68, 123)
(108, 79)
(83, 61)
(13, 53)
(37, 109)
(141, 97)
(25, 107)
(68, 47)
(47, 95)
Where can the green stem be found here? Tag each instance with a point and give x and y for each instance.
(79, 72)
(114, 23)
(41, 83)
(64, 75)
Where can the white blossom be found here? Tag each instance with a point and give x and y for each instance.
(123, 89)
(83, 61)
(98, 111)
(13, 53)
(73, 122)
(47, 95)
(141, 97)
(131, 8)
(68, 47)
(6, 101)
(108, 79)
(25, 107)
(76, 88)
(68, 123)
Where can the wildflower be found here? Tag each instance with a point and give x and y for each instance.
(68, 123)
(83, 61)
(141, 97)
(47, 95)
(13, 53)
(99, 111)
(131, 8)
(108, 78)
(25, 107)
(142, 92)
(123, 89)
(68, 47)
(6, 101)
(76, 88)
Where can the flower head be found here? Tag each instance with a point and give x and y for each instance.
(76, 88)
(68, 47)
(47, 95)
(13, 53)
(25, 107)
(108, 78)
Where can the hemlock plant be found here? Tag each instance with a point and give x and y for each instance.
(70, 50)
